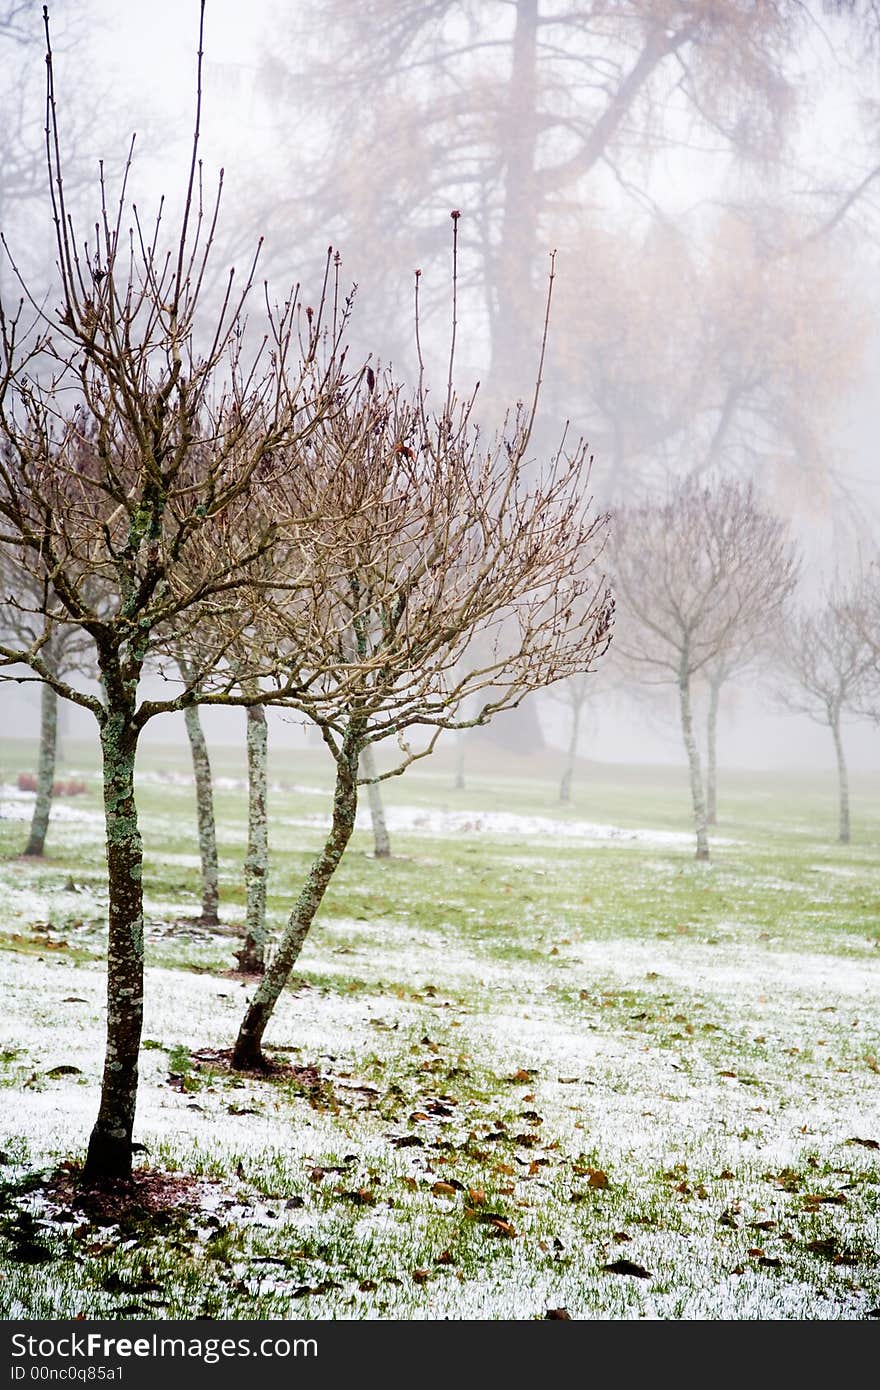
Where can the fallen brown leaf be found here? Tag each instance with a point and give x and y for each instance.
(626, 1267)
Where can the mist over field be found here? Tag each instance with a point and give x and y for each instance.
(439, 659)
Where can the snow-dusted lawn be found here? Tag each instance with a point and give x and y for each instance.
(603, 1051)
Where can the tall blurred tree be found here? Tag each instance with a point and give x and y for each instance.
(525, 114)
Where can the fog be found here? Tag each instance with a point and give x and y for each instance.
(715, 295)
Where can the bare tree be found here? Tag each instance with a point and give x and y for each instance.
(205, 819)
(825, 662)
(252, 956)
(65, 652)
(422, 539)
(695, 574)
(861, 615)
(369, 776)
(131, 435)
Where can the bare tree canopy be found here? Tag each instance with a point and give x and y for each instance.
(700, 573)
(825, 659)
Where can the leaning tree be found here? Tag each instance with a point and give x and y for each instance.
(697, 574)
(433, 573)
(134, 428)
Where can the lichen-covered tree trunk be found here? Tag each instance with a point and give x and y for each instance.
(712, 752)
(842, 779)
(36, 844)
(252, 956)
(205, 820)
(109, 1153)
(381, 840)
(248, 1046)
(698, 797)
(571, 754)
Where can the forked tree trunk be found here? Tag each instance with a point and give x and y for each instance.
(842, 779)
(381, 841)
(248, 1047)
(697, 795)
(712, 752)
(252, 956)
(205, 820)
(571, 755)
(109, 1152)
(36, 844)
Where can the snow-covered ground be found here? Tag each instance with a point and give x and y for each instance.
(715, 1076)
(640, 1101)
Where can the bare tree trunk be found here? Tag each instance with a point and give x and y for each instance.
(248, 1049)
(843, 779)
(109, 1153)
(36, 844)
(712, 751)
(571, 755)
(204, 817)
(381, 841)
(458, 776)
(61, 733)
(697, 796)
(252, 956)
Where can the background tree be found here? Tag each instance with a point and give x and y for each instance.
(368, 774)
(574, 693)
(694, 574)
(65, 652)
(128, 430)
(825, 663)
(861, 616)
(252, 956)
(522, 114)
(205, 819)
(697, 347)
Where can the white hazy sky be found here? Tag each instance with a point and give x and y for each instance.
(147, 55)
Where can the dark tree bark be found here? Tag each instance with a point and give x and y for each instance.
(109, 1152)
(36, 845)
(205, 819)
(381, 840)
(248, 1047)
(252, 956)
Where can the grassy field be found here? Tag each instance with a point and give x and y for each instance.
(539, 1060)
